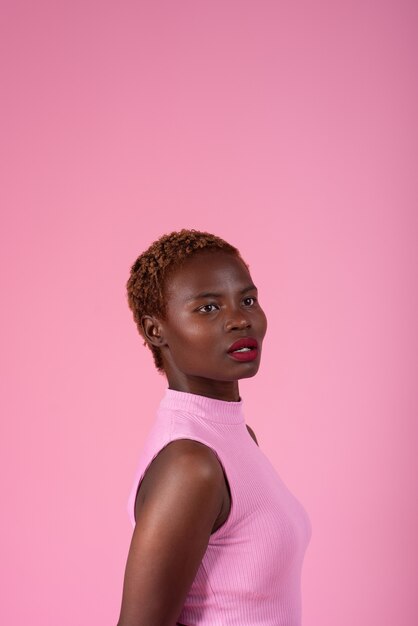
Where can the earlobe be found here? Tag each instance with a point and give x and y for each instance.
(153, 331)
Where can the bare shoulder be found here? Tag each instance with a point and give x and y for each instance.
(182, 463)
(178, 502)
(252, 433)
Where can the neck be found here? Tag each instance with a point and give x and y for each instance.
(217, 389)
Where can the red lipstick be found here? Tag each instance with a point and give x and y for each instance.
(245, 349)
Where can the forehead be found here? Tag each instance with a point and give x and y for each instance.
(207, 270)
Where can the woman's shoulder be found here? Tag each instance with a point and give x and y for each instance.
(182, 461)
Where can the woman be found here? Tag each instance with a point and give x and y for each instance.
(218, 538)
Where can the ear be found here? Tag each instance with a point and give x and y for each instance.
(153, 330)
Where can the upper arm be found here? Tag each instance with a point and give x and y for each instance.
(173, 524)
(252, 433)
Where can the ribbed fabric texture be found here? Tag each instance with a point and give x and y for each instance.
(250, 574)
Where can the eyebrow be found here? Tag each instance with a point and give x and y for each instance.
(212, 294)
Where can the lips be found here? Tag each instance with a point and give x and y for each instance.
(244, 350)
(245, 342)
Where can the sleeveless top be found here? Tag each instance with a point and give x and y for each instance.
(250, 574)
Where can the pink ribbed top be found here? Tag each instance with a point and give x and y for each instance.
(250, 574)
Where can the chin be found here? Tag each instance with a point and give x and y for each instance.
(248, 372)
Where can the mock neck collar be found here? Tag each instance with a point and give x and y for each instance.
(211, 409)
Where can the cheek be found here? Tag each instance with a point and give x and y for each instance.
(263, 323)
(189, 332)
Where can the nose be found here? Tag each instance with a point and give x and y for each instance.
(237, 321)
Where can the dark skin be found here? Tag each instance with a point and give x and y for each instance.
(184, 496)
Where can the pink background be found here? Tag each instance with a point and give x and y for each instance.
(290, 130)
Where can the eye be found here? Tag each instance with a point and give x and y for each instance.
(204, 308)
(249, 301)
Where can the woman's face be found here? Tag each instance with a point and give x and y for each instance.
(211, 304)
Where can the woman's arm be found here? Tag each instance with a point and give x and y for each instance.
(177, 506)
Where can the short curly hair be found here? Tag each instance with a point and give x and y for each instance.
(145, 286)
